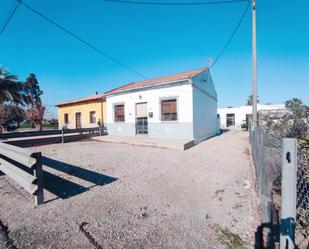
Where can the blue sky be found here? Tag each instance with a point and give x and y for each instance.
(159, 40)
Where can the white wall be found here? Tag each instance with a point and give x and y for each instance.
(205, 121)
(242, 111)
(182, 128)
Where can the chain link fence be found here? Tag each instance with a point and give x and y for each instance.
(267, 156)
(302, 201)
(267, 151)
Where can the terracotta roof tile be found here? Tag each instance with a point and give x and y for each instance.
(84, 99)
(157, 81)
(137, 85)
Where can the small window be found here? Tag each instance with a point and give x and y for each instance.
(66, 118)
(119, 113)
(92, 117)
(169, 110)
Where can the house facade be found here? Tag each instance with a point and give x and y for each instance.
(236, 116)
(82, 113)
(178, 106)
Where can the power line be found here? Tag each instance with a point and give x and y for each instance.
(231, 36)
(82, 40)
(10, 16)
(175, 3)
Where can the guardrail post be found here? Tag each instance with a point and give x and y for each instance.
(288, 193)
(38, 173)
(62, 135)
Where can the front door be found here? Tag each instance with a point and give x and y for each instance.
(141, 122)
(78, 121)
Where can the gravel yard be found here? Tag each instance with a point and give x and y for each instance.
(137, 197)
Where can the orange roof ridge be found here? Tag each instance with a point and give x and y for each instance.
(139, 84)
(84, 99)
(158, 80)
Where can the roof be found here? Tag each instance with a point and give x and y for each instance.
(83, 100)
(157, 81)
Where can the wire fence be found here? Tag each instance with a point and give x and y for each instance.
(267, 150)
(267, 156)
(302, 201)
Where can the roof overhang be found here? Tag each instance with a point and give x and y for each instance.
(82, 101)
(149, 87)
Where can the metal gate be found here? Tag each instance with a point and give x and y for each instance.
(141, 123)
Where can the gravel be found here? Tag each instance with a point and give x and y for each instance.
(136, 197)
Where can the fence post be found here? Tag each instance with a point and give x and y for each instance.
(288, 193)
(38, 173)
(62, 135)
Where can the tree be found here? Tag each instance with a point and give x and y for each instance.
(11, 90)
(293, 123)
(35, 110)
(294, 104)
(10, 113)
(250, 100)
(300, 117)
(12, 98)
(54, 122)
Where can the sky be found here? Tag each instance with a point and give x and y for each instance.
(157, 41)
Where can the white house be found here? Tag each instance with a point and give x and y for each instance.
(178, 106)
(236, 116)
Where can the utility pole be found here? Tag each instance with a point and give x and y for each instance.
(254, 88)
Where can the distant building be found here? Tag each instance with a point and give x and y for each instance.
(178, 106)
(236, 116)
(82, 113)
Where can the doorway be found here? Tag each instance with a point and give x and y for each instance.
(230, 119)
(78, 121)
(141, 122)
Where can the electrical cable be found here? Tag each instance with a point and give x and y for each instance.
(105, 54)
(231, 36)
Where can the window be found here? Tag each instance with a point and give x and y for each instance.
(169, 110)
(119, 113)
(92, 117)
(66, 118)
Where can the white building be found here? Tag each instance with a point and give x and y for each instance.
(178, 106)
(236, 116)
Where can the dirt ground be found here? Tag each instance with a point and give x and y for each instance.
(137, 197)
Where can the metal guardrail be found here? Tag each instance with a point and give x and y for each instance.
(32, 139)
(47, 132)
(25, 168)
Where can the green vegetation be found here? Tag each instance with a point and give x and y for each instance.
(29, 126)
(230, 240)
(20, 100)
(250, 100)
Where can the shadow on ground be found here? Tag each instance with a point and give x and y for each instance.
(63, 188)
(267, 234)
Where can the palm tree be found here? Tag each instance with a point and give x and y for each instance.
(250, 100)
(35, 111)
(11, 90)
(294, 104)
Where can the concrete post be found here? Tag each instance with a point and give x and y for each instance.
(254, 84)
(288, 193)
